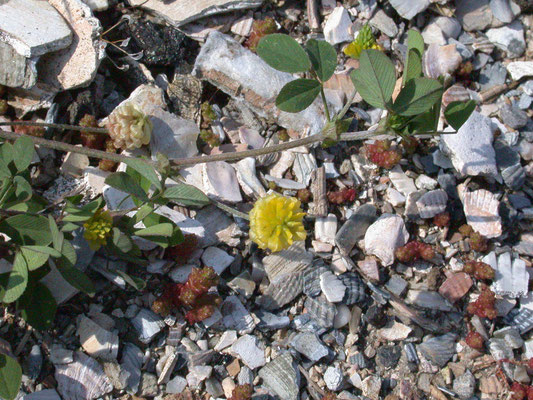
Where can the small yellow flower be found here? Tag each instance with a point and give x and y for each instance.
(98, 229)
(276, 222)
(129, 127)
(364, 41)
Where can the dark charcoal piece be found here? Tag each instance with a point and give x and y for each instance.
(376, 316)
(355, 288)
(162, 45)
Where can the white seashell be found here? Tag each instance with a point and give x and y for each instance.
(326, 229)
(246, 175)
(481, 210)
(432, 203)
(221, 181)
(97, 341)
(510, 278)
(282, 377)
(243, 26)
(83, 379)
(455, 93)
(394, 331)
(283, 164)
(289, 261)
(440, 60)
(384, 236)
(285, 183)
(321, 310)
(332, 287)
(281, 291)
(303, 166)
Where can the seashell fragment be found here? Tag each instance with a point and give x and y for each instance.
(439, 349)
(440, 60)
(282, 376)
(432, 203)
(384, 236)
(294, 259)
(455, 287)
(326, 228)
(521, 320)
(455, 93)
(221, 181)
(246, 175)
(484, 45)
(311, 277)
(355, 288)
(510, 278)
(285, 183)
(481, 211)
(243, 25)
(83, 379)
(148, 324)
(303, 166)
(321, 310)
(281, 291)
(332, 287)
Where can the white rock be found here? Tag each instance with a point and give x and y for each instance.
(22, 27)
(481, 211)
(184, 11)
(432, 203)
(394, 197)
(246, 77)
(402, 182)
(384, 236)
(95, 178)
(409, 8)
(226, 340)
(186, 224)
(76, 65)
(509, 38)
(425, 299)
(243, 25)
(433, 34)
(172, 136)
(394, 331)
(247, 348)
(176, 385)
(337, 27)
(221, 181)
(97, 341)
(332, 287)
(217, 258)
(502, 10)
(334, 378)
(425, 182)
(246, 175)
(326, 229)
(519, 69)
(342, 317)
(470, 149)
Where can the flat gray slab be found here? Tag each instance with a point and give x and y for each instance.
(33, 27)
(16, 70)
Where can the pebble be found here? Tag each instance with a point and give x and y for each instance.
(131, 364)
(384, 236)
(269, 321)
(513, 117)
(464, 385)
(176, 385)
(394, 197)
(397, 285)
(409, 8)
(470, 149)
(247, 348)
(332, 287)
(334, 378)
(473, 15)
(388, 356)
(371, 386)
(509, 38)
(384, 23)
(450, 26)
(337, 27)
(425, 182)
(492, 75)
(502, 10)
(281, 375)
(394, 331)
(520, 69)
(342, 316)
(148, 386)
(148, 324)
(481, 209)
(308, 344)
(427, 299)
(217, 258)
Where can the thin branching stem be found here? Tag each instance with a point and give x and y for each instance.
(326, 109)
(55, 126)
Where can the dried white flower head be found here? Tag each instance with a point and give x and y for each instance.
(129, 127)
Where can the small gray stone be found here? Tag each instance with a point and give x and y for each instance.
(464, 385)
(334, 378)
(308, 344)
(473, 14)
(245, 376)
(148, 324)
(269, 321)
(148, 386)
(409, 8)
(449, 26)
(248, 349)
(513, 117)
(176, 385)
(502, 10)
(384, 23)
(396, 285)
(16, 70)
(509, 38)
(214, 388)
(492, 74)
(388, 356)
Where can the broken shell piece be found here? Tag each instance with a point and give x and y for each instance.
(246, 175)
(311, 284)
(355, 288)
(369, 268)
(221, 181)
(281, 291)
(321, 310)
(326, 228)
(481, 211)
(510, 279)
(439, 349)
(384, 236)
(285, 183)
(82, 379)
(236, 316)
(455, 93)
(455, 287)
(282, 376)
(332, 287)
(440, 60)
(432, 203)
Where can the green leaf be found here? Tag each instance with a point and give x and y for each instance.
(143, 212)
(35, 258)
(418, 96)
(23, 189)
(283, 53)
(69, 227)
(67, 269)
(38, 307)
(57, 237)
(146, 170)
(375, 78)
(415, 49)
(23, 152)
(43, 250)
(297, 95)
(176, 237)
(186, 195)
(122, 241)
(10, 377)
(125, 183)
(137, 283)
(27, 229)
(323, 58)
(6, 152)
(5, 172)
(457, 113)
(17, 281)
(413, 68)
(164, 229)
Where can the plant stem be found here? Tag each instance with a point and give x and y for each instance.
(56, 126)
(326, 109)
(230, 210)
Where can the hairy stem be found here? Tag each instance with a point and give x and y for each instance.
(55, 126)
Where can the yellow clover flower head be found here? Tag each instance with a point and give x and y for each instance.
(98, 229)
(276, 222)
(364, 41)
(129, 127)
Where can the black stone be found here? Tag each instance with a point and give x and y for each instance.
(388, 356)
(376, 316)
